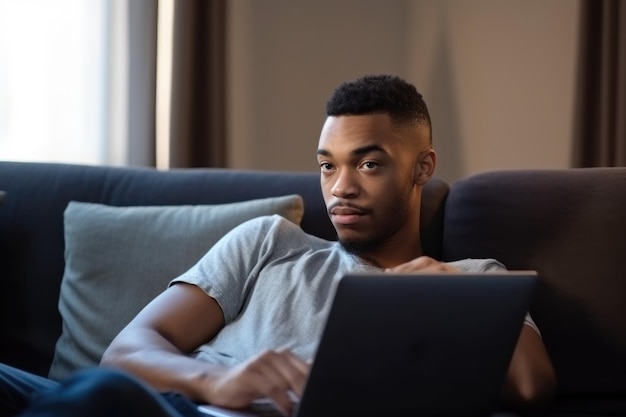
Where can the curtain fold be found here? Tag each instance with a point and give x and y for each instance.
(600, 115)
(194, 101)
(130, 83)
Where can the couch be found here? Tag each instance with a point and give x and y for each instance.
(568, 224)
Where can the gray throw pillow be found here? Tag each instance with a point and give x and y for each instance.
(117, 259)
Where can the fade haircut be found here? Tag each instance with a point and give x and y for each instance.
(375, 94)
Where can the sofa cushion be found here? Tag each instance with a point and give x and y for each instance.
(569, 225)
(32, 243)
(119, 258)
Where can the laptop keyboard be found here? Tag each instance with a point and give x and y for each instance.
(265, 409)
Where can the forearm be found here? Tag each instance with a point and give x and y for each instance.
(531, 379)
(153, 359)
(271, 374)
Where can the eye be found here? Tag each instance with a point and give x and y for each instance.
(370, 165)
(326, 166)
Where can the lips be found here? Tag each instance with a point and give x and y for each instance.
(344, 215)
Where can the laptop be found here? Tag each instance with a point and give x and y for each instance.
(396, 345)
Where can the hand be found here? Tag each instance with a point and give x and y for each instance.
(422, 264)
(271, 374)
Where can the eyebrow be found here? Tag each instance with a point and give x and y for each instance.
(356, 152)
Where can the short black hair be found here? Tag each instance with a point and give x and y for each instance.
(374, 94)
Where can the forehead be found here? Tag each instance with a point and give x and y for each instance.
(356, 131)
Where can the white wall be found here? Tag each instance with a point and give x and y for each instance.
(498, 76)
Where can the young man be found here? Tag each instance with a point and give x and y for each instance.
(244, 322)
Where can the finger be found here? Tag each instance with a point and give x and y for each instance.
(269, 366)
(423, 264)
(250, 380)
(416, 265)
(281, 372)
(264, 386)
(297, 372)
(293, 370)
(237, 387)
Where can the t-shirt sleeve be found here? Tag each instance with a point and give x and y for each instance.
(477, 266)
(227, 272)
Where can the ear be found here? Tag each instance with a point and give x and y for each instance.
(424, 167)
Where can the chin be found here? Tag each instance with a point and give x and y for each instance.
(357, 246)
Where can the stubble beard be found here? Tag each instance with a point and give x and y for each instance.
(395, 217)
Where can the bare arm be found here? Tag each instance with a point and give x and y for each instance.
(530, 379)
(156, 344)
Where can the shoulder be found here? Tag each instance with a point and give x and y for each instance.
(271, 233)
(264, 225)
(478, 265)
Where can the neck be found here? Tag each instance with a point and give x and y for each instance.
(391, 255)
(402, 247)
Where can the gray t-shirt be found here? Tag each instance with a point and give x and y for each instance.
(284, 280)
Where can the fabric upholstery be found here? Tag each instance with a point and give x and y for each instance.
(570, 226)
(32, 243)
(117, 259)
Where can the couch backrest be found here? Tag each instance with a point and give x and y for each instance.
(31, 230)
(570, 226)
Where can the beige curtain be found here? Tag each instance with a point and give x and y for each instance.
(600, 119)
(190, 92)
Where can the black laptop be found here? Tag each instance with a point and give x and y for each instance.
(418, 345)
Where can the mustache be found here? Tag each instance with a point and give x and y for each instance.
(343, 204)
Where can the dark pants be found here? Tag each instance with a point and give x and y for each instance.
(97, 392)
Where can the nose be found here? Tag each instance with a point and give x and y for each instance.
(345, 185)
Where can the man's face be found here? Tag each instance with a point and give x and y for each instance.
(367, 170)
